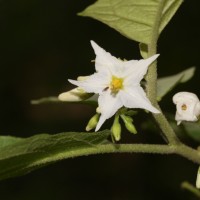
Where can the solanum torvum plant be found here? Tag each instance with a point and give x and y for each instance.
(119, 89)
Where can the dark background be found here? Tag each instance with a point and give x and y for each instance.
(43, 43)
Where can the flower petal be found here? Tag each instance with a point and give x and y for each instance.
(135, 97)
(104, 61)
(95, 83)
(108, 105)
(135, 70)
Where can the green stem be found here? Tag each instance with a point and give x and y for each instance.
(182, 150)
(188, 152)
(151, 88)
(151, 79)
(110, 148)
(166, 127)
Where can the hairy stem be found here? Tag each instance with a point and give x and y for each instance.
(151, 78)
(181, 149)
(151, 88)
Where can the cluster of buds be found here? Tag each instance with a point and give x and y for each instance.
(187, 107)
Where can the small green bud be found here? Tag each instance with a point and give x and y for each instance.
(116, 129)
(128, 121)
(93, 122)
(198, 179)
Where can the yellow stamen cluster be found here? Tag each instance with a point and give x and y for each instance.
(116, 84)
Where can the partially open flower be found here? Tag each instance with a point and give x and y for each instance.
(187, 107)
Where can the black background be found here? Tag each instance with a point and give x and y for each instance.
(43, 43)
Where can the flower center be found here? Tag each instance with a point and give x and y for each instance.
(116, 84)
(184, 107)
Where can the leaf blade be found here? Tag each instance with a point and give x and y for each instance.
(22, 155)
(135, 19)
(166, 84)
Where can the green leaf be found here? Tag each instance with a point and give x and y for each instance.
(143, 50)
(165, 84)
(19, 156)
(135, 19)
(45, 100)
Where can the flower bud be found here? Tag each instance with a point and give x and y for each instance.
(98, 110)
(92, 123)
(74, 95)
(116, 129)
(128, 121)
(198, 179)
(187, 107)
(82, 78)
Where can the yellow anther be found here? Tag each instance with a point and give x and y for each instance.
(116, 84)
(184, 107)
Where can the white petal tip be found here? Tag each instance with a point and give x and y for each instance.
(98, 127)
(154, 110)
(153, 58)
(100, 122)
(74, 82)
(94, 44)
(157, 111)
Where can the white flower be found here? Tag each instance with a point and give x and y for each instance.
(117, 82)
(187, 107)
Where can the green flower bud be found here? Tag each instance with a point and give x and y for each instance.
(128, 121)
(93, 122)
(198, 179)
(116, 129)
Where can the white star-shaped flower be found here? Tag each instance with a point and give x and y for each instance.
(117, 83)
